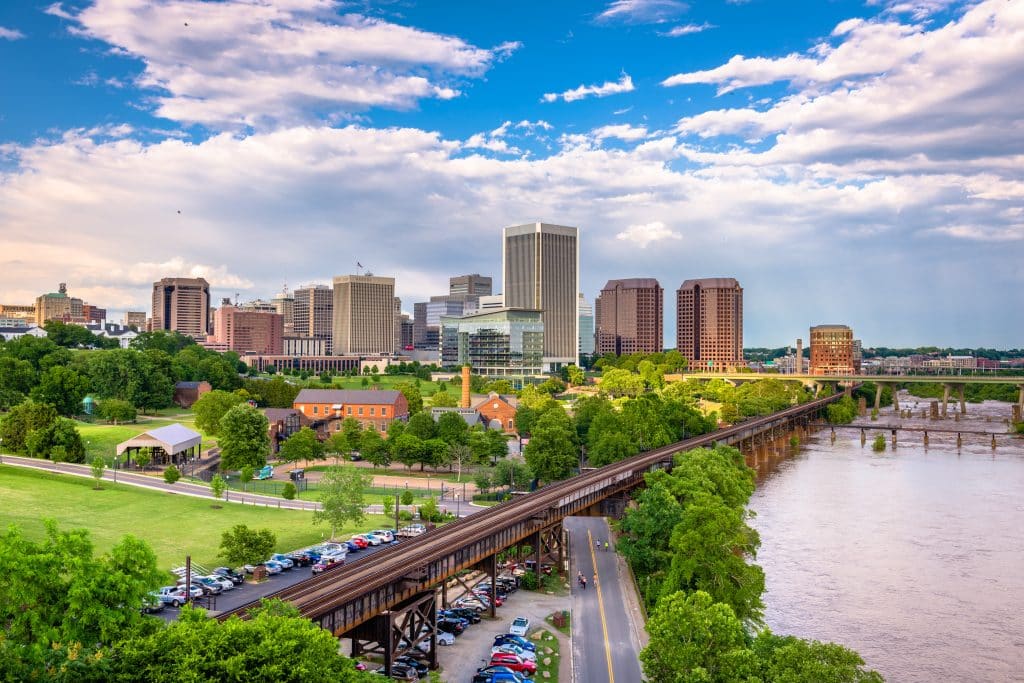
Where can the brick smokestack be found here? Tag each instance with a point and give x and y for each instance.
(465, 386)
(799, 356)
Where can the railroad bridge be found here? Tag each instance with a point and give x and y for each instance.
(388, 605)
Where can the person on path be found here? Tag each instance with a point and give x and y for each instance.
(606, 545)
(583, 581)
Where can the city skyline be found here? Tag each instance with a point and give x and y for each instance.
(141, 149)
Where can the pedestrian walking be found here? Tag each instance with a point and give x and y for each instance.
(606, 545)
(583, 581)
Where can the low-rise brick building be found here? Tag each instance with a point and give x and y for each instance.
(187, 393)
(497, 409)
(327, 408)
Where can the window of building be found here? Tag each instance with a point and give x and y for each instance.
(373, 411)
(360, 410)
(348, 411)
(316, 410)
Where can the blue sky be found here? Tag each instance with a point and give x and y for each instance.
(856, 162)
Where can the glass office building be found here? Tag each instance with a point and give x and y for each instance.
(507, 342)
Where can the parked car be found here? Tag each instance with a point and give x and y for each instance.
(531, 566)
(351, 546)
(399, 673)
(419, 667)
(303, 558)
(328, 562)
(447, 616)
(370, 539)
(283, 560)
(471, 602)
(151, 602)
(235, 577)
(226, 584)
(470, 615)
(518, 640)
(520, 626)
(206, 584)
(386, 535)
(514, 649)
(273, 567)
(175, 596)
(360, 541)
(499, 674)
(450, 626)
(412, 530)
(514, 662)
(485, 597)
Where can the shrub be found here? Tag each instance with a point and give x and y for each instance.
(288, 492)
(878, 445)
(407, 497)
(404, 515)
(794, 441)
(171, 474)
(528, 581)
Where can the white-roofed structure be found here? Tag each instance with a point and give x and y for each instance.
(173, 444)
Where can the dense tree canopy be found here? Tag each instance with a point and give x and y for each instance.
(244, 438)
(341, 493)
(211, 406)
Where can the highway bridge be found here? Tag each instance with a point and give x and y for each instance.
(389, 605)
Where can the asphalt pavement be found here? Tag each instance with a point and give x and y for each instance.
(604, 630)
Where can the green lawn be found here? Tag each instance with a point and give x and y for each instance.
(547, 654)
(102, 439)
(173, 525)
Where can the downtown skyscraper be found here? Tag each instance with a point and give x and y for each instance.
(541, 271)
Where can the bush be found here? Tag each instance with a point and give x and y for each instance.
(528, 581)
(289, 492)
(843, 411)
(407, 497)
(404, 516)
(171, 474)
(115, 410)
(794, 441)
(878, 445)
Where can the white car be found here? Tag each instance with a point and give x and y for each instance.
(512, 648)
(225, 583)
(519, 627)
(385, 535)
(370, 538)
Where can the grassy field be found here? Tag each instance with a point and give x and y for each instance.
(171, 524)
(547, 655)
(102, 439)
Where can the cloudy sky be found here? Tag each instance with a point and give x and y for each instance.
(854, 162)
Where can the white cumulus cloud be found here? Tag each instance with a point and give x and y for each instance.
(642, 11)
(644, 234)
(624, 84)
(10, 33)
(687, 29)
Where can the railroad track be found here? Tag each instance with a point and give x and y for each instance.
(321, 593)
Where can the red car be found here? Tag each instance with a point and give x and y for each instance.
(498, 600)
(514, 662)
(360, 541)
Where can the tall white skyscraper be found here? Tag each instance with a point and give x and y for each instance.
(541, 271)
(364, 315)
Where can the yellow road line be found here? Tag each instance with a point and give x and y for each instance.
(600, 605)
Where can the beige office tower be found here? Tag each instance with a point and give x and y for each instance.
(284, 303)
(313, 313)
(709, 323)
(832, 350)
(136, 319)
(541, 271)
(364, 315)
(182, 304)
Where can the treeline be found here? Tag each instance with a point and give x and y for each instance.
(691, 548)
(69, 615)
(990, 354)
(973, 393)
(749, 399)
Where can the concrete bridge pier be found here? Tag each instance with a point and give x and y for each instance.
(993, 442)
(1016, 413)
(878, 396)
(926, 439)
(934, 410)
(894, 438)
(959, 440)
(863, 437)
(963, 403)
(945, 400)
(862, 406)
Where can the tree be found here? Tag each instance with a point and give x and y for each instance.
(275, 644)
(217, 486)
(618, 382)
(611, 447)
(499, 386)
(644, 528)
(241, 545)
(373, 448)
(792, 660)
(62, 388)
(244, 438)
(143, 457)
(96, 469)
(843, 411)
(484, 480)
(60, 441)
(80, 602)
(412, 396)
(459, 455)
(115, 410)
(575, 375)
(18, 379)
(171, 474)
(422, 426)
(245, 475)
(552, 453)
(302, 445)
(452, 429)
(429, 511)
(212, 406)
(388, 504)
(443, 399)
(407, 497)
(407, 449)
(513, 474)
(693, 639)
(22, 420)
(288, 491)
(341, 495)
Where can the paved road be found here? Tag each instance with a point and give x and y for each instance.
(604, 640)
(189, 489)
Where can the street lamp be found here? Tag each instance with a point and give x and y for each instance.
(457, 509)
(117, 465)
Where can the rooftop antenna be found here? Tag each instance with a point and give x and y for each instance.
(236, 298)
(359, 268)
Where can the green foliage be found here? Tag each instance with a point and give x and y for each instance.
(1019, 427)
(404, 516)
(867, 392)
(429, 511)
(60, 442)
(693, 639)
(62, 388)
(422, 426)
(74, 336)
(499, 386)
(388, 503)
(843, 411)
(452, 429)
(529, 581)
(18, 379)
(217, 486)
(172, 474)
(552, 453)
(373, 448)
(617, 382)
(80, 603)
(241, 545)
(973, 393)
(406, 448)
(115, 410)
(407, 497)
(245, 475)
(288, 491)
(412, 396)
(513, 474)
(792, 660)
(212, 406)
(162, 340)
(341, 494)
(272, 393)
(302, 445)
(575, 375)
(551, 386)
(96, 469)
(878, 445)
(244, 438)
(143, 457)
(794, 441)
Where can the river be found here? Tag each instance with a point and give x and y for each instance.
(912, 557)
